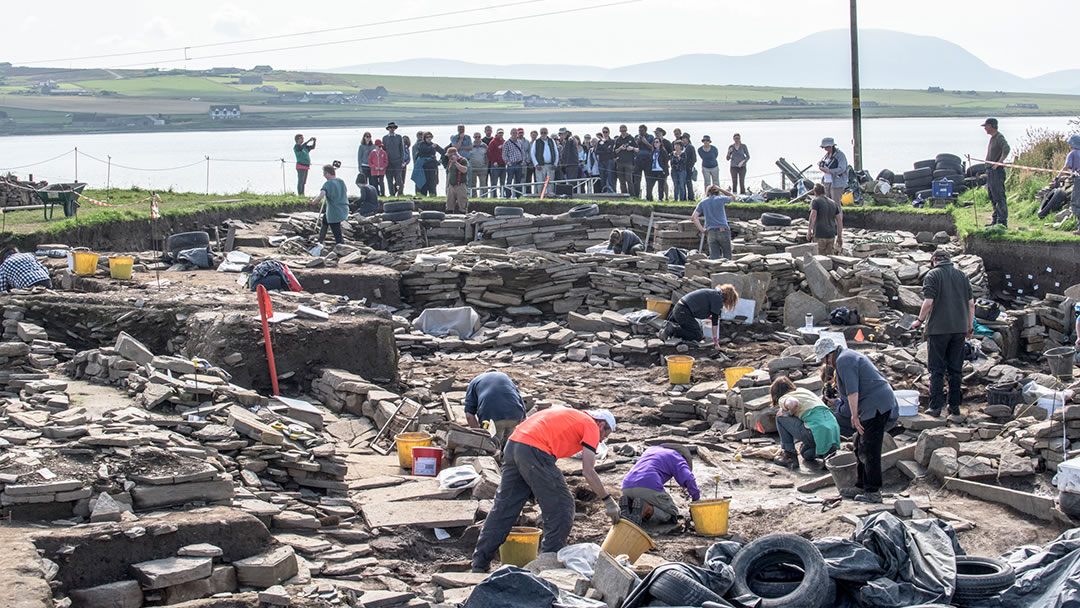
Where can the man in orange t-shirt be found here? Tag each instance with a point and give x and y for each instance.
(529, 470)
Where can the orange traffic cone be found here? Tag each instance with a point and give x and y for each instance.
(859, 337)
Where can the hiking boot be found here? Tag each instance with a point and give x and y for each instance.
(850, 493)
(872, 497)
(625, 504)
(814, 464)
(630, 509)
(476, 569)
(787, 459)
(934, 413)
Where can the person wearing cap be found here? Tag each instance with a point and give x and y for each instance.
(377, 163)
(643, 495)
(738, 154)
(803, 417)
(659, 133)
(1072, 169)
(494, 396)
(478, 164)
(529, 468)
(625, 242)
(948, 312)
(457, 181)
(396, 160)
(699, 304)
(302, 149)
(710, 168)
(495, 163)
(515, 154)
(716, 230)
(871, 401)
(834, 169)
(996, 152)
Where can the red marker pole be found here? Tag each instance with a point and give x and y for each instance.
(266, 311)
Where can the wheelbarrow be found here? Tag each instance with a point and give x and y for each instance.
(66, 194)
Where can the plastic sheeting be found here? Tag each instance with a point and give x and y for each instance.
(443, 321)
(918, 558)
(580, 558)
(719, 577)
(511, 586)
(1046, 577)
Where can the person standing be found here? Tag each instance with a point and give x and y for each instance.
(1072, 168)
(426, 172)
(996, 153)
(716, 230)
(625, 152)
(335, 194)
(710, 168)
(568, 156)
(406, 157)
(699, 304)
(835, 169)
(396, 159)
(478, 164)
(529, 469)
(738, 154)
(948, 310)
(605, 159)
(530, 162)
(367, 144)
(678, 171)
(871, 400)
(302, 151)
(494, 396)
(457, 181)
(658, 170)
(461, 141)
(496, 164)
(545, 157)
(487, 135)
(691, 165)
(643, 159)
(378, 162)
(826, 223)
(643, 495)
(515, 152)
(22, 271)
(802, 416)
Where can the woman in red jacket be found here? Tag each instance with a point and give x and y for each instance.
(378, 162)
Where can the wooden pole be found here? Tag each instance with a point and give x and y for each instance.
(856, 106)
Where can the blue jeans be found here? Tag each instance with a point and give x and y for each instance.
(497, 177)
(607, 175)
(792, 429)
(515, 174)
(679, 180)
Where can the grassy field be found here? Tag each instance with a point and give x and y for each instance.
(439, 100)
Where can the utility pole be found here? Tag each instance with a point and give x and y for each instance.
(856, 107)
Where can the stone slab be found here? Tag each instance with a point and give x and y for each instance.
(1041, 507)
(267, 569)
(161, 573)
(121, 594)
(425, 513)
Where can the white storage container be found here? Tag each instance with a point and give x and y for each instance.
(908, 402)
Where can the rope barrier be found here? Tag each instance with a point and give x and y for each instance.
(1024, 167)
(104, 204)
(42, 162)
(106, 162)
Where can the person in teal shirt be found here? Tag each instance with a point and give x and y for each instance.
(803, 417)
(336, 196)
(302, 150)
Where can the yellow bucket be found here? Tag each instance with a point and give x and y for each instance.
(734, 374)
(406, 442)
(521, 546)
(678, 368)
(625, 537)
(710, 516)
(120, 266)
(658, 306)
(85, 262)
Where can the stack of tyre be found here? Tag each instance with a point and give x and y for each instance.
(918, 183)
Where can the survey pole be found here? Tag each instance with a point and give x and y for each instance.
(856, 106)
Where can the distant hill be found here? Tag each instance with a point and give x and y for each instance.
(888, 60)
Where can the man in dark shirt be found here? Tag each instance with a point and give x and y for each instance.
(625, 150)
(691, 163)
(394, 146)
(625, 242)
(605, 158)
(642, 159)
(494, 396)
(826, 223)
(949, 313)
(997, 151)
(368, 202)
(699, 304)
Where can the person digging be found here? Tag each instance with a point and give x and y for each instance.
(699, 304)
(805, 418)
(529, 469)
(643, 494)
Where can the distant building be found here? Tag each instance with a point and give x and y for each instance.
(935, 90)
(223, 71)
(793, 101)
(224, 112)
(251, 79)
(508, 95)
(266, 88)
(262, 68)
(87, 119)
(1023, 106)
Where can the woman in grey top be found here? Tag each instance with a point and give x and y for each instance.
(738, 154)
(367, 144)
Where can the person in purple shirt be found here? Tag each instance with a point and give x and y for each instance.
(643, 495)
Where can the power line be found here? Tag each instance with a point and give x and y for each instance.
(278, 36)
(395, 35)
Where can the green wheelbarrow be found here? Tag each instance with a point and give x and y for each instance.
(66, 194)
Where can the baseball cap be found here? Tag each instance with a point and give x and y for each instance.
(823, 347)
(604, 415)
(378, 142)
(990, 122)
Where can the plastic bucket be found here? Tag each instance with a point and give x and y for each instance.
(85, 262)
(678, 368)
(908, 402)
(120, 266)
(734, 374)
(710, 516)
(658, 306)
(521, 546)
(843, 466)
(426, 462)
(1061, 361)
(626, 538)
(405, 444)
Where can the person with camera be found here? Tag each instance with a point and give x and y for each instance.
(834, 168)
(302, 151)
(426, 172)
(948, 310)
(643, 143)
(658, 170)
(457, 181)
(625, 151)
(605, 160)
(738, 154)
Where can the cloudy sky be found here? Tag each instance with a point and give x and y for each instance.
(609, 35)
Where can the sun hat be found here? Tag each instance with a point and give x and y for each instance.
(1074, 142)
(391, 125)
(828, 142)
(823, 347)
(706, 138)
(604, 415)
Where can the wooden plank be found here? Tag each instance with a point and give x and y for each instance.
(425, 513)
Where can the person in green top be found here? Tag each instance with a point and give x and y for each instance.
(302, 149)
(336, 196)
(803, 417)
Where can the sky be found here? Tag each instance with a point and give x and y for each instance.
(610, 35)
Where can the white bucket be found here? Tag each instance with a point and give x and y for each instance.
(908, 402)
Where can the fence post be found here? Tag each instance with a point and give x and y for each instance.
(208, 175)
(76, 163)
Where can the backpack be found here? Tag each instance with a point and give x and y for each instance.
(844, 316)
(987, 310)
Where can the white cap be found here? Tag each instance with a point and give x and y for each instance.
(604, 415)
